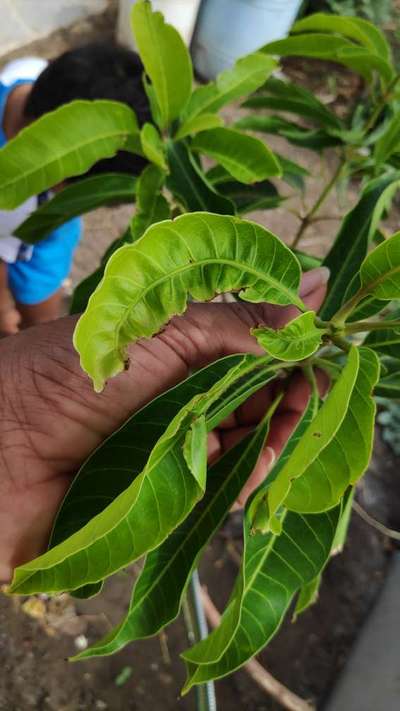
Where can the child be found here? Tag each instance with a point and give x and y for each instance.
(30, 88)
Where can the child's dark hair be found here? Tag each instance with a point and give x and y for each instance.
(95, 71)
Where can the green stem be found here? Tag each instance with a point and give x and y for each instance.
(361, 326)
(307, 219)
(381, 105)
(340, 316)
(341, 343)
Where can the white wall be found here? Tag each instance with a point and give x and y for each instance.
(22, 21)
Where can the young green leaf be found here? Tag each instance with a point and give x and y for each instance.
(297, 340)
(153, 146)
(246, 158)
(247, 75)
(195, 124)
(142, 516)
(347, 453)
(163, 53)
(190, 186)
(76, 199)
(198, 255)
(351, 245)
(151, 205)
(62, 144)
(354, 28)
(158, 593)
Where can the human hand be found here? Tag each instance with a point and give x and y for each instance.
(51, 419)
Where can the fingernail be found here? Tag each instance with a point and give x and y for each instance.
(314, 279)
(272, 456)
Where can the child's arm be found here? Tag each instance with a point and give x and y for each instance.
(9, 316)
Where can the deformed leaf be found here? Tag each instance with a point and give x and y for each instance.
(346, 456)
(141, 517)
(61, 144)
(76, 199)
(198, 255)
(163, 53)
(297, 340)
(158, 592)
(246, 158)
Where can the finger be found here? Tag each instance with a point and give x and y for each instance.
(259, 473)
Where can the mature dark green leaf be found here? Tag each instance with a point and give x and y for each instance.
(385, 341)
(297, 340)
(151, 205)
(247, 198)
(292, 173)
(190, 186)
(86, 287)
(62, 144)
(294, 133)
(389, 383)
(141, 517)
(292, 98)
(158, 593)
(163, 53)
(246, 158)
(76, 199)
(389, 141)
(351, 245)
(198, 255)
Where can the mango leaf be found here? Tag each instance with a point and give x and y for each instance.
(163, 51)
(77, 199)
(248, 73)
(389, 142)
(247, 198)
(151, 205)
(380, 271)
(202, 122)
(315, 139)
(86, 287)
(143, 515)
(389, 383)
(334, 49)
(292, 98)
(385, 341)
(297, 340)
(190, 186)
(354, 28)
(346, 456)
(307, 261)
(246, 158)
(158, 593)
(198, 255)
(317, 437)
(62, 144)
(344, 522)
(153, 147)
(308, 596)
(351, 244)
(292, 173)
(274, 568)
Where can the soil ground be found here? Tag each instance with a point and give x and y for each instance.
(37, 635)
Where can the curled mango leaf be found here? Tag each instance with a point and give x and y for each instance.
(198, 255)
(297, 340)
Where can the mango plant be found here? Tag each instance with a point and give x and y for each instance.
(148, 491)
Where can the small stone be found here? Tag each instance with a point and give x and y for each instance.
(81, 642)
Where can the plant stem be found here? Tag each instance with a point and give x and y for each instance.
(389, 532)
(381, 105)
(261, 676)
(307, 219)
(361, 326)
